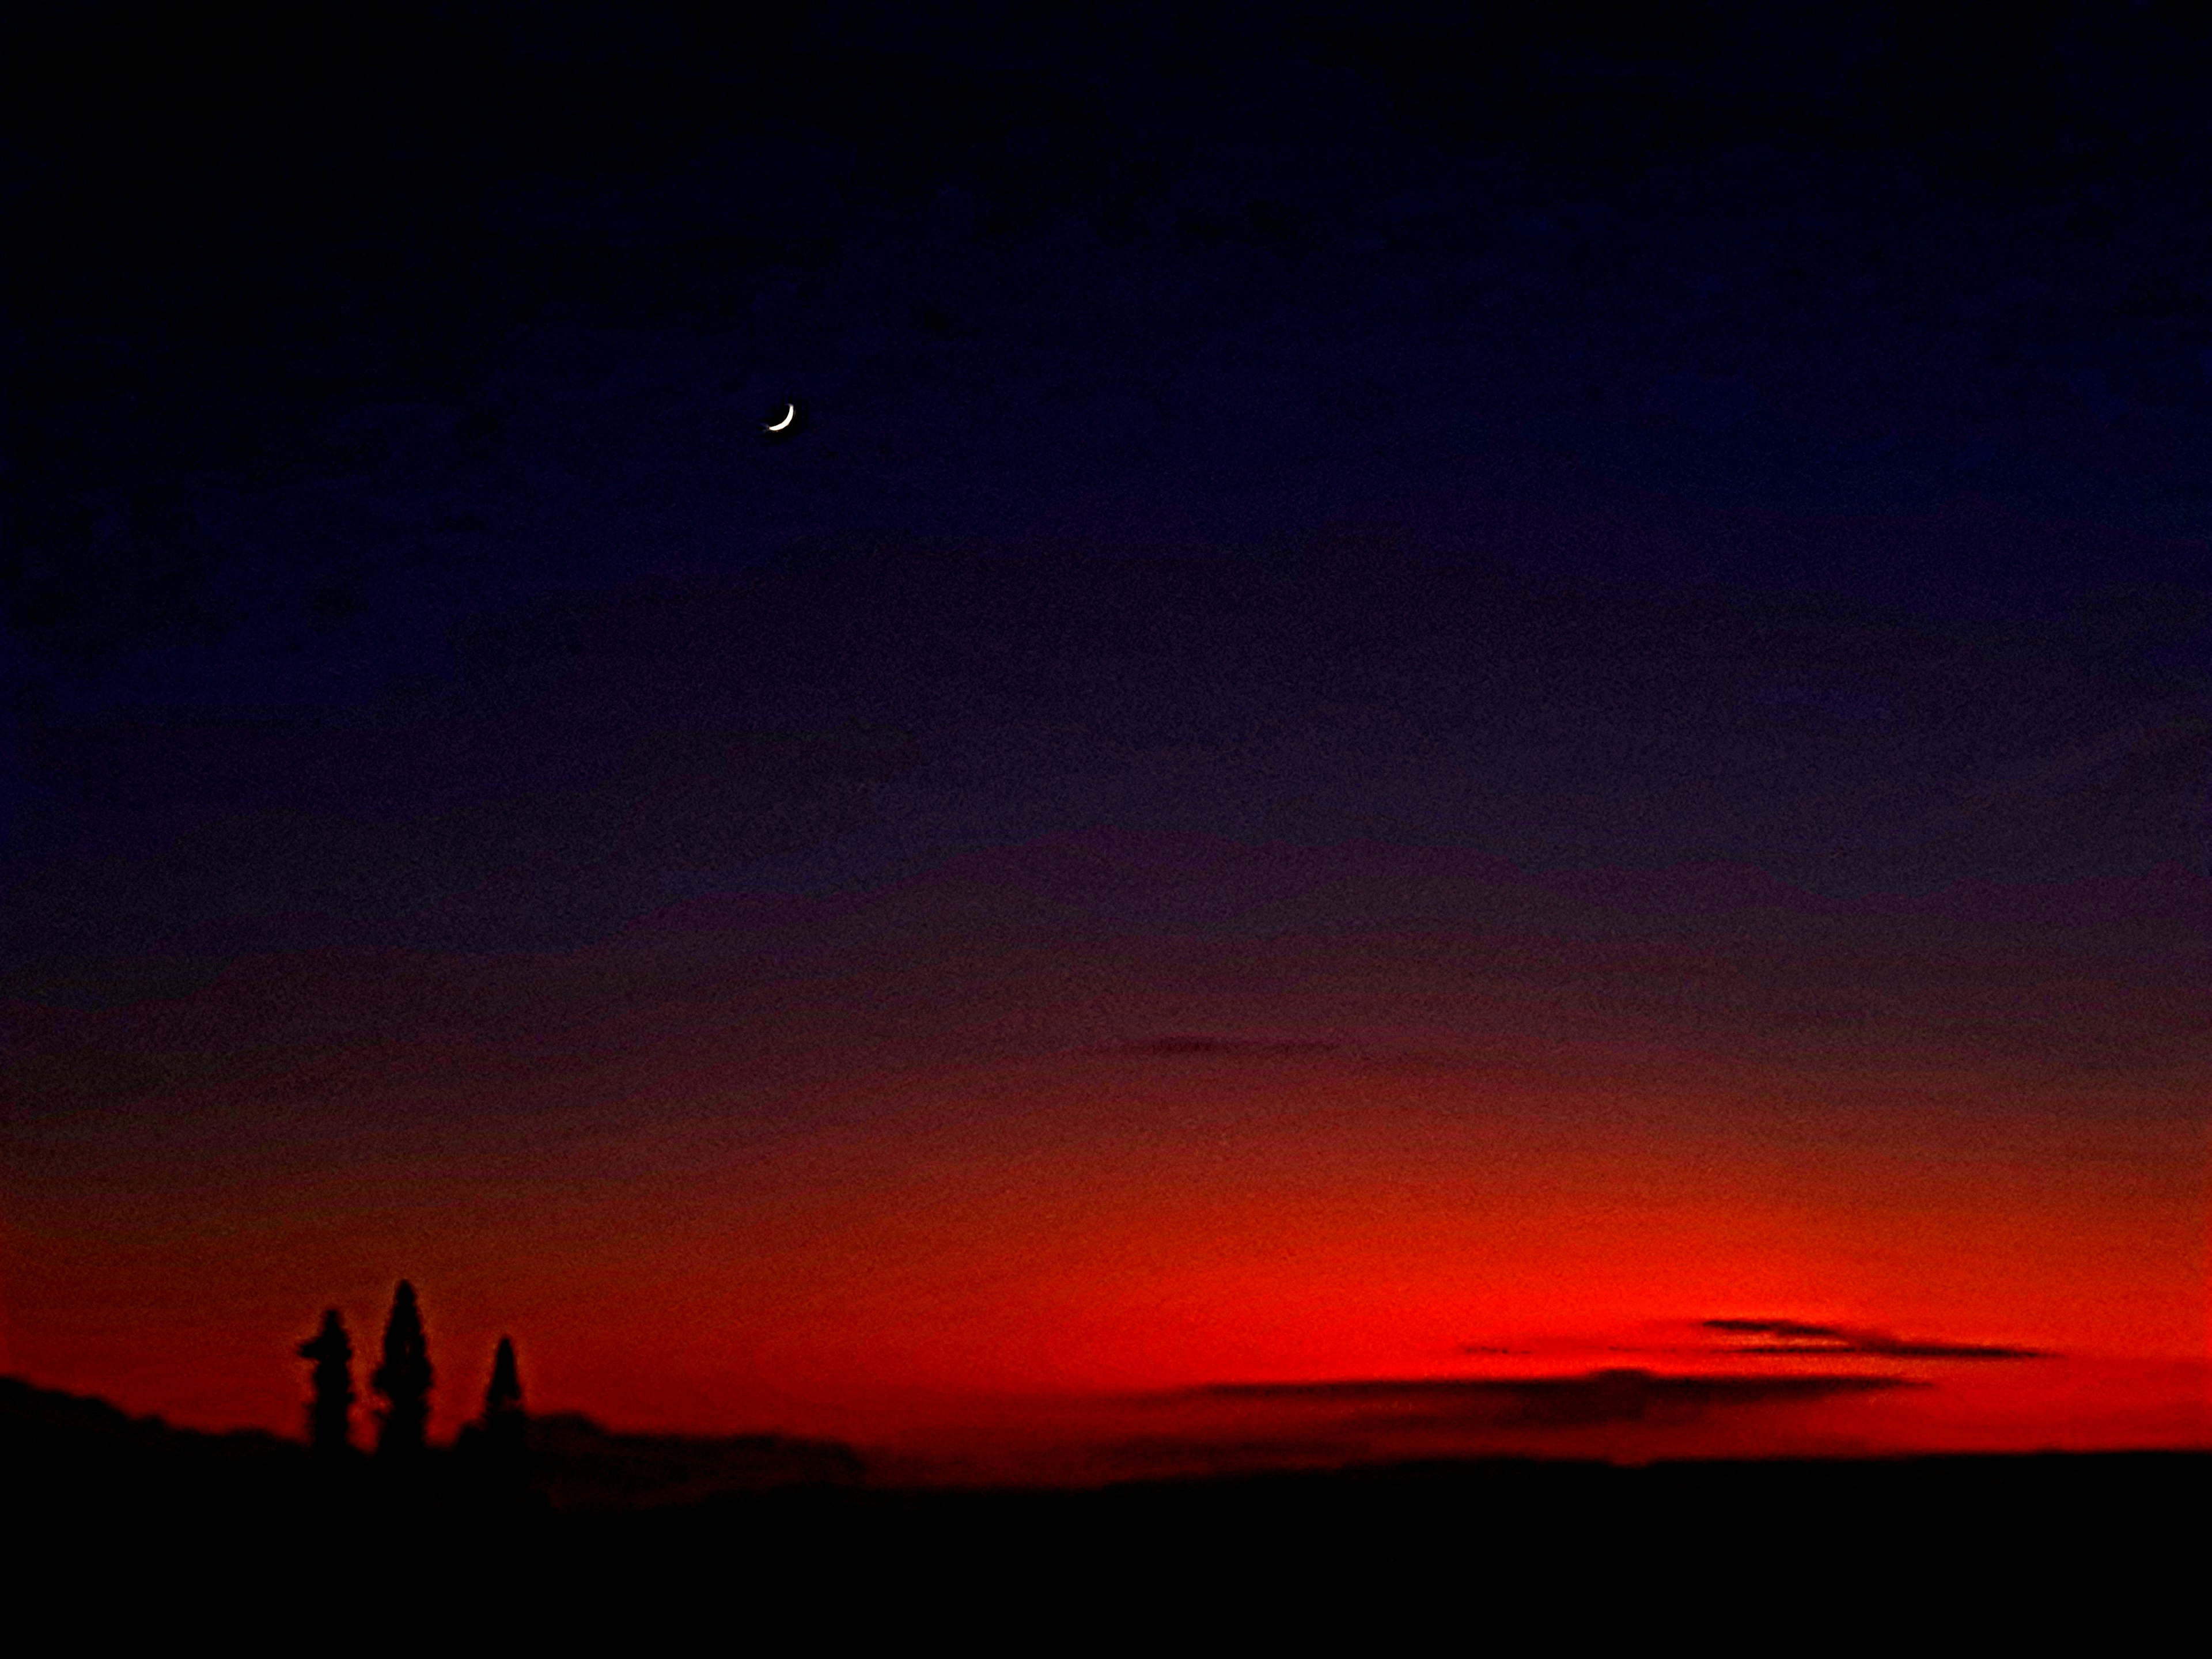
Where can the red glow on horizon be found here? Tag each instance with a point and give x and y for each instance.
(1089, 1229)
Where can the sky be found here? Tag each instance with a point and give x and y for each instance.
(1427, 696)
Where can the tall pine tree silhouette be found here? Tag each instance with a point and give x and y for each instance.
(330, 1413)
(403, 1380)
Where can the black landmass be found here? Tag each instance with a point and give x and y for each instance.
(71, 1453)
(126, 1524)
(579, 1467)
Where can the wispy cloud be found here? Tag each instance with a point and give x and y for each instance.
(1771, 1337)
(1228, 1046)
(1616, 1415)
(1258, 1051)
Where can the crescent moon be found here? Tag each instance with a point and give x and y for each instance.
(790, 415)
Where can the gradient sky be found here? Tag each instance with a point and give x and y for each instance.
(1433, 693)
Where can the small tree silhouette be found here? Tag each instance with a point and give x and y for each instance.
(504, 1429)
(503, 1398)
(403, 1379)
(330, 1413)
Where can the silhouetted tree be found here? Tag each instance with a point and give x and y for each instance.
(501, 1437)
(330, 1413)
(503, 1398)
(403, 1379)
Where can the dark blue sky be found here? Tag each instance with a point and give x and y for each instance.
(1455, 422)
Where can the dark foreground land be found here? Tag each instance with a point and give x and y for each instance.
(243, 1535)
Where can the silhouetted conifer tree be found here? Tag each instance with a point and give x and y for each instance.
(403, 1379)
(503, 1398)
(504, 1429)
(330, 1413)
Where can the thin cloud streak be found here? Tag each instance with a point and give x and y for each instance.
(1229, 1046)
(1618, 1415)
(1795, 1337)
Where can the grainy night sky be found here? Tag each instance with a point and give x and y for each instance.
(1431, 692)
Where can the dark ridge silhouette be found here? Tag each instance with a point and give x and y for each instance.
(36, 1422)
(69, 1459)
(403, 1381)
(580, 1466)
(121, 1516)
(329, 1413)
(1608, 1396)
